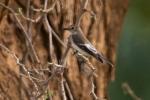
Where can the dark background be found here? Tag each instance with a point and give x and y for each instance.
(133, 53)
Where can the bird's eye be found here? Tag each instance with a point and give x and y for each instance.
(72, 27)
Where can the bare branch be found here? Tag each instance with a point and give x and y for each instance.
(30, 19)
(50, 30)
(93, 90)
(63, 94)
(52, 58)
(28, 8)
(29, 27)
(56, 65)
(20, 64)
(24, 31)
(39, 80)
(64, 57)
(127, 89)
(38, 19)
(45, 10)
(68, 90)
(82, 12)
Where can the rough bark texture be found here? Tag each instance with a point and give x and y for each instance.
(102, 32)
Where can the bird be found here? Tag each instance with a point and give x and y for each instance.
(82, 45)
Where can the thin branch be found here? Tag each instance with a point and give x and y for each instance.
(56, 65)
(57, 37)
(82, 12)
(68, 90)
(84, 5)
(45, 10)
(29, 27)
(101, 9)
(24, 31)
(30, 19)
(28, 8)
(39, 80)
(20, 64)
(44, 70)
(63, 94)
(55, 69)
(93, 89)
(127, 89)
(64, 57)
(91, 74)
(50, 30)
(52, 58)
(37, 20)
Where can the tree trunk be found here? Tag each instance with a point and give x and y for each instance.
(102, 32)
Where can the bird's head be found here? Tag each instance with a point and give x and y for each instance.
(71, 28)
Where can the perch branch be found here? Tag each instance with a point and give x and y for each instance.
(86, 61)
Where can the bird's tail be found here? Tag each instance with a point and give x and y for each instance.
(102, 59)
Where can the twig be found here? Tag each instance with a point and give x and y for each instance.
(57, 37)
(52, 58)
(127, 89)
(30, 19)
(20, 64)
(29, 27)
(24, 31)
(46, 86)
(68, 90)
(56, 65)
(50, 30)
(63, 94)
(84, 5)
(92, 90)
(44, 70)
(45, 10)
(63, 62)
(28, 8)
(82, 12)
(91, 75)
(39, 80)
(100, 12)
(64, 57)
(38, 19)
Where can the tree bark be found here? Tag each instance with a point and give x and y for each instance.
(102, 32)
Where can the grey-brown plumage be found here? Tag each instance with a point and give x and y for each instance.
(80, 43)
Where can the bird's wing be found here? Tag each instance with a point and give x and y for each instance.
(87, 47)
(92, 51)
